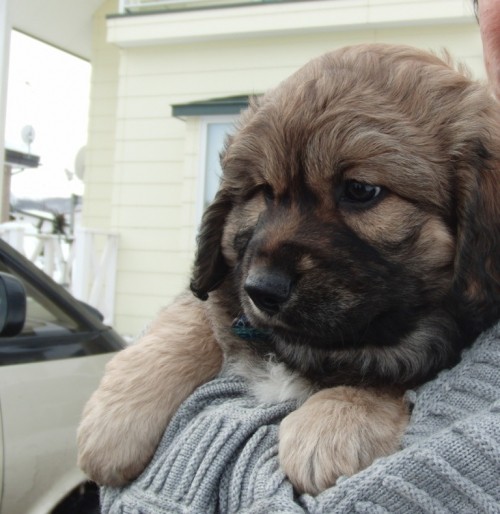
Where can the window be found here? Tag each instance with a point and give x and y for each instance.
(216, 118)
(43, 316)
(214, 130)
(57, 326)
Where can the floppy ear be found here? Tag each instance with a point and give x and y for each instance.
(477, 264)
(210, 267)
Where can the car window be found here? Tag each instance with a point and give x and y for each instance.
(43, 316)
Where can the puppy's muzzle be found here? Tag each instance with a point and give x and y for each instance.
(268, 289)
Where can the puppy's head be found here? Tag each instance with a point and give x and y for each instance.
(358, 218)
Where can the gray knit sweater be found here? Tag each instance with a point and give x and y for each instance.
(219, 454)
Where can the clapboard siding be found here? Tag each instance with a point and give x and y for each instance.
(99, 167)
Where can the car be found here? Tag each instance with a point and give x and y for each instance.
(53, 349)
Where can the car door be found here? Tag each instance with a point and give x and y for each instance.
(47, 373)
(41, 404)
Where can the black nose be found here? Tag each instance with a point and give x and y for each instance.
(268, 289)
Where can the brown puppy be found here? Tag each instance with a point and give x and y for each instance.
(355, 237)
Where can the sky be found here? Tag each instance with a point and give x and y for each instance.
(48, 89)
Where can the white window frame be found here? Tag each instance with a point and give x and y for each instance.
(205, 121)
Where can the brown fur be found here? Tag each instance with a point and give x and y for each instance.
(337, 432)
(143, 386)
(377, 295)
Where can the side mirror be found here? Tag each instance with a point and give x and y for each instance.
(12, 305)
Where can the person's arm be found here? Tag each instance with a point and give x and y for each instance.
(488, 12)
(452, 448)
(220, 454)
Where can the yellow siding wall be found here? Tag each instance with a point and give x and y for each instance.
(102, 121)
(151, 201)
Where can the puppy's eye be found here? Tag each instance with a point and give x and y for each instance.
(358, 192)
(268, 192)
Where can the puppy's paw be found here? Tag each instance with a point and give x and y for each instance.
(337, 432)
(123, 421)
(115, 446)
(141, 390)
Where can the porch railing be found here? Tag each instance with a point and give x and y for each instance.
(85, 265)
(93, 277)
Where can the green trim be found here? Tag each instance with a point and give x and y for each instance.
(213, 107)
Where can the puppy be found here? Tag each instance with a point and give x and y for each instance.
(351, 253)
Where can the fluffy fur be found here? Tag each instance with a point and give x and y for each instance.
(357, 227)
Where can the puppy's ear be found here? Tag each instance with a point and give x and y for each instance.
(477, 264)
(210, 267)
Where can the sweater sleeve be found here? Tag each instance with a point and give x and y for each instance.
(219, 454)
(468, 388)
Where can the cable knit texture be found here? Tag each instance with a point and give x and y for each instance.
(219, 454)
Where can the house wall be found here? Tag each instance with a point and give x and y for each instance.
(99, 159)
(143, 179)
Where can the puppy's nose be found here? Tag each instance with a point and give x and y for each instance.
(268, 289)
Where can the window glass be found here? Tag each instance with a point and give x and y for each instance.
(43, 316)
(215, 135)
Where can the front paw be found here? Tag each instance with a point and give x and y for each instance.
(141, 390)
(126, 416)
(338, 432)
(114, 448)
(119, 433)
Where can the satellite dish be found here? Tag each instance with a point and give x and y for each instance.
(28, 135)
(80, 163)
